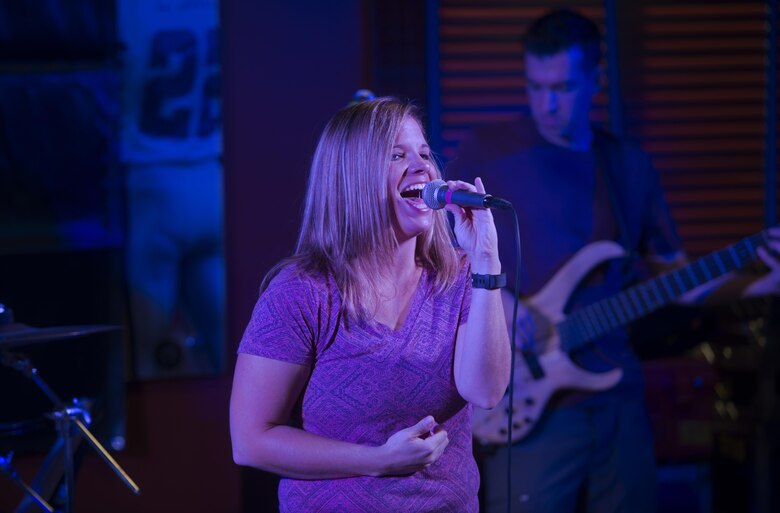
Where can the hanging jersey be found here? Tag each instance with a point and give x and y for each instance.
(171, 108)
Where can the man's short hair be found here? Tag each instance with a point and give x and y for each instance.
(560, 30)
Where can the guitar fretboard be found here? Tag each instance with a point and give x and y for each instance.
(605, 316)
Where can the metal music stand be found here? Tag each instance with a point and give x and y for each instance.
(67, 417)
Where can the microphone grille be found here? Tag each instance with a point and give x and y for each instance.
(430, 194)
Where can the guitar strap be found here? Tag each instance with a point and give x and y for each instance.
(607, 153)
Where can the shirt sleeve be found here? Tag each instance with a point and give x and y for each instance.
(283, 325)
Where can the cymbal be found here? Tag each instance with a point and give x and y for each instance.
(16, 334)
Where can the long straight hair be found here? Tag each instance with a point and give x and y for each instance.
(346, 230)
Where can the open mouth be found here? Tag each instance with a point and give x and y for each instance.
(413, 195)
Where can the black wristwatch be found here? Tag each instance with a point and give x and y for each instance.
(488, 281)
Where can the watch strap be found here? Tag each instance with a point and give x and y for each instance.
(488, 281)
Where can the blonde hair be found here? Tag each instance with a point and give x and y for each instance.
(346, 230)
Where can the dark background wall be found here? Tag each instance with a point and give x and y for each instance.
(287, 66)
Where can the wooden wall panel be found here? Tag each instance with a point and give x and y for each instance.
(482, 77)
(694, 95)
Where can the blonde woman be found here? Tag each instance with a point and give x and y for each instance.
(373, 325)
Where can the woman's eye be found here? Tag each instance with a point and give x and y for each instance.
(397, 156)
(425, 156)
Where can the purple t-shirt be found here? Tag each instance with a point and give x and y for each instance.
(369, 381)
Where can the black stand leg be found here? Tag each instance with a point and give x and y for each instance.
(66, 418)
(8, 470)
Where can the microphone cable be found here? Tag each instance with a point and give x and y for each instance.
(513, 344)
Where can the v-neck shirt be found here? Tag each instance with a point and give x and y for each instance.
(368, 381)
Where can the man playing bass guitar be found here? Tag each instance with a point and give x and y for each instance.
(583, 198)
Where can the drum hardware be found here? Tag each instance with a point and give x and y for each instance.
(22, 426)
(8, 470)
(71, 420)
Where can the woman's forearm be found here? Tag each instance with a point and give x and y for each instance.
(483, 356)
(293, 452)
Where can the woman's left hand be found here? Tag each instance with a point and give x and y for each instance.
(475, 230)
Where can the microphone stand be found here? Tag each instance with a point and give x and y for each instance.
(8, 470)
(66, 417)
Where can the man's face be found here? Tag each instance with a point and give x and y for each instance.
(560, 93)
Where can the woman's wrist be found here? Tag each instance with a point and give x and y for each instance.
(376, 461)
(486, 265)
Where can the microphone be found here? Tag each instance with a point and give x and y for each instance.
(436, 195)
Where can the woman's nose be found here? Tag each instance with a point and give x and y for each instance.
(418, 165)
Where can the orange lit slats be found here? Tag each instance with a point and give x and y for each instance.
(708, 163)
(729, 231)
(754, 128)
(732, 196)
(483, 100)
(730, 213)
(699, 10)
(474, 82)
(705, 96)
(477, 65)
(708, 145)
(693, 61)
(473, 118)
(664, 28)
(488, 13)
(480, 48)
(707, 45)
(702, 78)
(481, 31)
(684, 113)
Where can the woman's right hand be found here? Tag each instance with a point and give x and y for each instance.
(413, 448)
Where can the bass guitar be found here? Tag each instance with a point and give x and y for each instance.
(559, 334)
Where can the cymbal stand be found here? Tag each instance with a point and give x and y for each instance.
(66, 417)
(8, 470)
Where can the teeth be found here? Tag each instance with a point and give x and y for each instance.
(414, 187)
